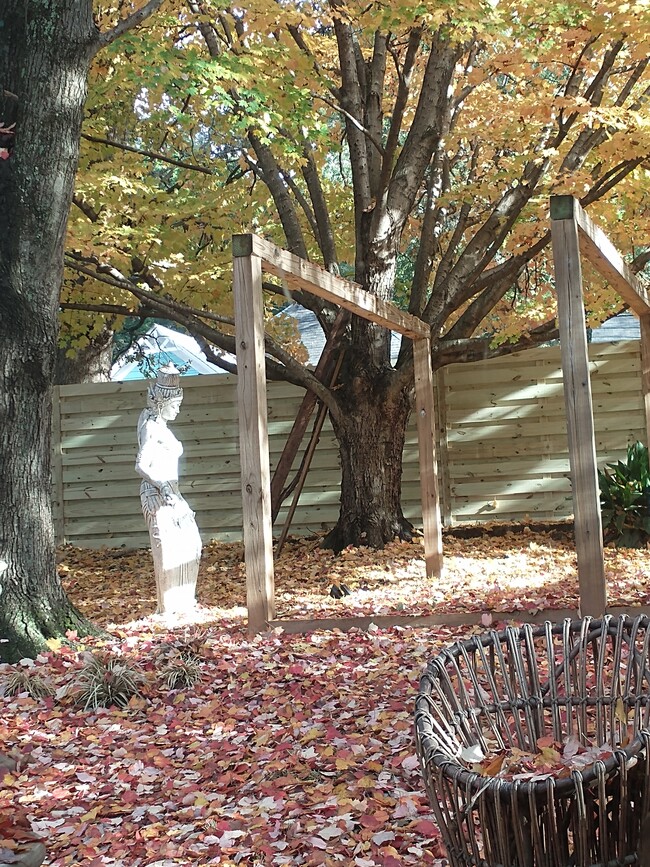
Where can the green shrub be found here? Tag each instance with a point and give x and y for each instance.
(23, 680)
(107, 680)
(625, 498)
(182, 672)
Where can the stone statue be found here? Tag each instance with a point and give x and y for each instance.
(174, 535)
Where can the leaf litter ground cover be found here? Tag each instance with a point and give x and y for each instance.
(290, 749)
(516, 571)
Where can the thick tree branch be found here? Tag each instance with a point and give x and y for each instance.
(610, 180)
(374, 108)
(282, 365)
(85, 208)
(128, 23)
(325, 233)
(479, 348)
(352, 104)
(403, 90)
(576, 78)
(429, 125)
(639, 262)
(627, 88)
(274, 180)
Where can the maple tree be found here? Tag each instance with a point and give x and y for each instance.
(412, 149)
(46, 52)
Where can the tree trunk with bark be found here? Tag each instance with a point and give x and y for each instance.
(91, 363)
(371, 430)
(44, 62)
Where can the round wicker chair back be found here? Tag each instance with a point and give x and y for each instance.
(586, 681)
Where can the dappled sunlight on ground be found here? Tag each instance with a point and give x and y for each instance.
(517, 570)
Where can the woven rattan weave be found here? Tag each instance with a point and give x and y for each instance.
(498, 692)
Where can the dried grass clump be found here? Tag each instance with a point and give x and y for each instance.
(179, 660)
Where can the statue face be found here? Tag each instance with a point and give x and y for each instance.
(170, 409)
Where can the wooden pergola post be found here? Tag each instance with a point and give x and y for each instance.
(579, 415)
(252, 255)
(573, 234)
(429, 492)
(253, 441)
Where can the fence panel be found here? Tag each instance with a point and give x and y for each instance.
(502, 437)
(506, 430)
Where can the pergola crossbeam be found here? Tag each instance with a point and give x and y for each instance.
(302, 275)
(597, 249)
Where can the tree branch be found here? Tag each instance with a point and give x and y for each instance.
(128, 23)
(282, 365)
(116, 309)
(401, 100)
(85, 208)
(353, 120)
(145, 153)
(112, 277)
(273, 178)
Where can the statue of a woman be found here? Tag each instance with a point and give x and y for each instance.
(175, 539)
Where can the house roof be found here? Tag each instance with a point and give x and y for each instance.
(163, 345)
(313, 336)
(625, 326)
(160, 346)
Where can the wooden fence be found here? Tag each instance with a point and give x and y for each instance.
(502, 447)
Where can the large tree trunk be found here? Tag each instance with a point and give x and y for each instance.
(371, 429)
(44, 59)
(91, 363)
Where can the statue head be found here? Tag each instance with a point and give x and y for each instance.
(165, 390)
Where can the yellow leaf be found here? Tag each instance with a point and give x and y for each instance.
(621, 711)
(54, 644)
(91, 814)
(366, 783)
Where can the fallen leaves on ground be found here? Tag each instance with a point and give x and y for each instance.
(291, 749)
(514, 572)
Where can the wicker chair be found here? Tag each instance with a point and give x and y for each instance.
(587, 679)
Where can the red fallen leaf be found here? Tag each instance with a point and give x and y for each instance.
(373, 821)
(426, 828)
(242, 737)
